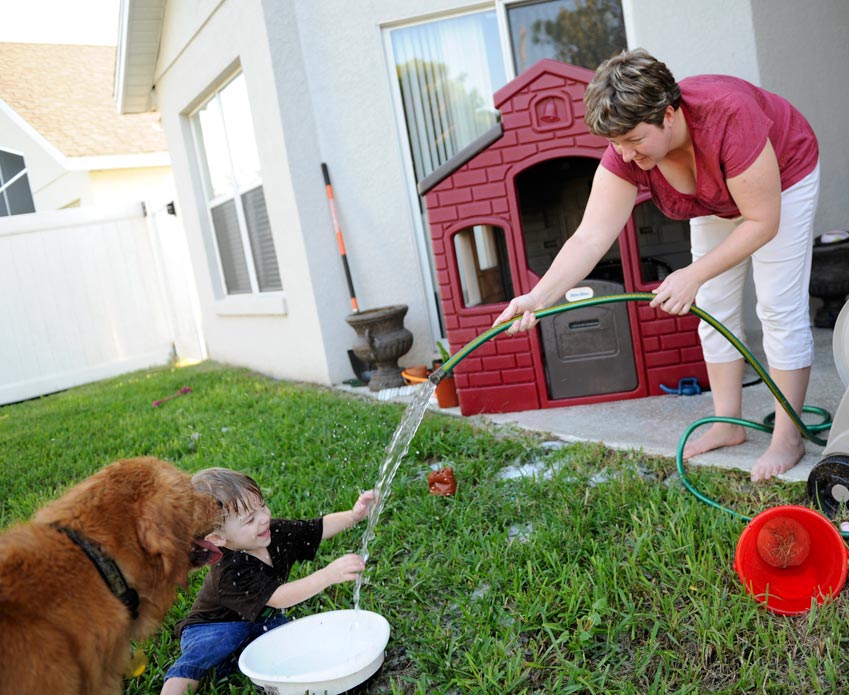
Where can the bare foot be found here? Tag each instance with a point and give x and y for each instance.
(779, 458)
(719, 435)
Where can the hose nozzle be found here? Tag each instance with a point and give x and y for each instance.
(437, 376)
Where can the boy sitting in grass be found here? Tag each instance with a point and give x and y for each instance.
(243, 595)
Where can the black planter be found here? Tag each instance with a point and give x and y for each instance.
(829, 279)
(382, 339)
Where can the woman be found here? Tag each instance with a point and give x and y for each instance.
(742, 164)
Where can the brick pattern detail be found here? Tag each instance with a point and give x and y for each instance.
(504, 374)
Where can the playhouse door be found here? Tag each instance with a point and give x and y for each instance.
(589, 351)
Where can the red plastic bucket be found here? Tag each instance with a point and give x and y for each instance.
(816, 572)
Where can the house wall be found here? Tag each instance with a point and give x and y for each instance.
(199, 49)
(131, 185)
(321, 91)
(806, 61)
(783, 45)
(51, 184)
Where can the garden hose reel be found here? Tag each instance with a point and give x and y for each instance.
(828, 482)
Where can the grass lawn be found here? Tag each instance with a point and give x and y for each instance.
(602, 574)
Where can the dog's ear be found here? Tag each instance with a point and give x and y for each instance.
(155, 540)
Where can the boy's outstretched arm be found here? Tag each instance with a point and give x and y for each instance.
(344, 569)
(340, 521)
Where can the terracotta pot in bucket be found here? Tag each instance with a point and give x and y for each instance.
(790, 555)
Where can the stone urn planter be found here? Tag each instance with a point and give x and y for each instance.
(382, 339)
(830, 276)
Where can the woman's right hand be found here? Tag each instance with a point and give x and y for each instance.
(522, 306)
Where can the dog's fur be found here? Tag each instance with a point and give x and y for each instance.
(62, 630)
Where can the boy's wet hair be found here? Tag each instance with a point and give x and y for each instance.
(630, 88)
(236, 492)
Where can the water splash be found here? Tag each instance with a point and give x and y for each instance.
(395, 453)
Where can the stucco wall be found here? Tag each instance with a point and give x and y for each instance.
(808, 62)
(799, 50)
(350, 85)
(289, 343)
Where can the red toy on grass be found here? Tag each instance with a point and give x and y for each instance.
(179, 393)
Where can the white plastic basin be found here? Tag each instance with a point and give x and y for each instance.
(322, 654)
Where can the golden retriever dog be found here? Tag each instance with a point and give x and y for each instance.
(93, 570)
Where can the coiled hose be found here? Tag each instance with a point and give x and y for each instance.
(808, 431)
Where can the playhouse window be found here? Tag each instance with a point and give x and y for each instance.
(663, 243)
(226, 143)
(482, 265)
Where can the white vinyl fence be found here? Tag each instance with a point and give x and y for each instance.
(90, 293)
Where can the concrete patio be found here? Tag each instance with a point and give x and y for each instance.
(656, 424)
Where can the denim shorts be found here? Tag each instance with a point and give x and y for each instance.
(217, 645)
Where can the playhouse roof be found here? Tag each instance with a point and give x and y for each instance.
(547, 71)
(542, 74)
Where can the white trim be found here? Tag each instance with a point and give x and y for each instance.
(262, 304)
(118, 161)
(435, 15)
(121, 55)
(410, 179)
(24, 125)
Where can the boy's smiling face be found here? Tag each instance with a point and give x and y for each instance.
(249, 529)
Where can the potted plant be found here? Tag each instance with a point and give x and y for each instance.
(446, 390)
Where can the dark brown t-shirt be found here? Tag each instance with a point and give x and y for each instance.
(238, 586)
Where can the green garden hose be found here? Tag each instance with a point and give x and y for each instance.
(808, 431)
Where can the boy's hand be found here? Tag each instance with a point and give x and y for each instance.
(345, 569)
(361, 507)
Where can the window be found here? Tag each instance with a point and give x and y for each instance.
(579, 32)
(247, 259)
(482, 265)
(447, 72)
(15, 194)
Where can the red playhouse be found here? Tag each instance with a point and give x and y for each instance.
(500, 210)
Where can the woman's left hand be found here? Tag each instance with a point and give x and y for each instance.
(677, 293)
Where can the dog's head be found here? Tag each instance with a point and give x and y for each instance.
(145, 514)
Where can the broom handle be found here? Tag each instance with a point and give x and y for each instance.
(339, 240)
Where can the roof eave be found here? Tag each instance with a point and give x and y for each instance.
(139, 34)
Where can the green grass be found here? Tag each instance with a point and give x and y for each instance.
(618, 583)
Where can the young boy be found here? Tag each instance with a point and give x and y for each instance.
(243, 594)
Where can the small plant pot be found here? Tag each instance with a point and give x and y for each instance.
(446, 393)
(415, 375)
(446, 390)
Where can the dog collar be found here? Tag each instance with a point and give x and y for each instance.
(108, 569)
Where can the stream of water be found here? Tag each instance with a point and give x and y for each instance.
(395, 453)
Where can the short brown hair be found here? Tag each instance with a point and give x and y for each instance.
(236, 492)
(630, 88)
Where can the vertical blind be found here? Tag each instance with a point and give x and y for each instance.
(447, 71)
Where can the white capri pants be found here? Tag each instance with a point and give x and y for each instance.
(781, 270)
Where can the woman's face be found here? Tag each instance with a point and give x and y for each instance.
(647, 144)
